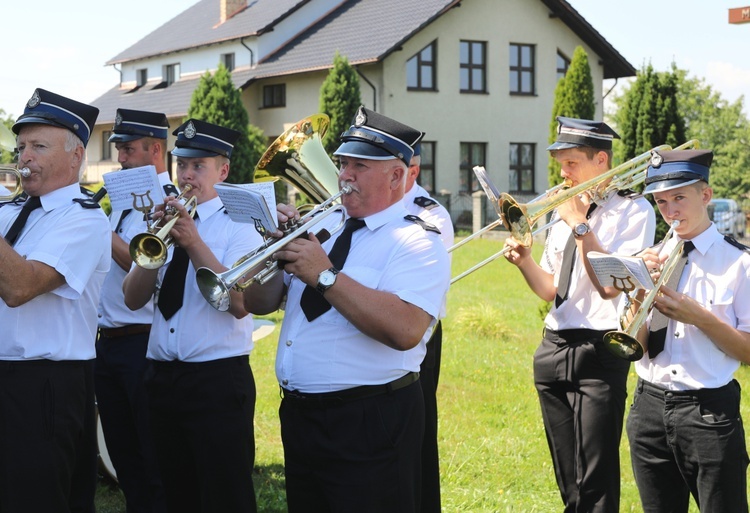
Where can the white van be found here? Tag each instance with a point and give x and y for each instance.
(727, 217)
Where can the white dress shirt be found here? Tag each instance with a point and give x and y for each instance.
(622, 225)
(436, 215)
(198, 332)
(717, 276)
(329, 354)
(112, 310)
(75, 241)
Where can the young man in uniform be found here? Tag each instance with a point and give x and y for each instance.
(581, 385)
(200, 388)
(685, 429)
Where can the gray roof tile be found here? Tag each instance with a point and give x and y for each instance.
(199, 25)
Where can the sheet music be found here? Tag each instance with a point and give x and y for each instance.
(250, 203)
(136, 188)
(620, 271)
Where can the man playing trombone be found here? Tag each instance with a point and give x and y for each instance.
(685, 429)
(581, 385)
(359, 310)
(200, 386)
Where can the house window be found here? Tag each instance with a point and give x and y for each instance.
(421, 69)
(563, 63)
(472, 154)
(171, 73)
(227, 59)
(521, 69)
(473, 67)
(106, 145)
(521, 164)
(141, 77)
(426, 176)
(274, 95)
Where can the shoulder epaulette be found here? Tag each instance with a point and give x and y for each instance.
(424, 224)
(171, 190)
(731, 240)
(87, 203)
(425, 202)
(628, 193)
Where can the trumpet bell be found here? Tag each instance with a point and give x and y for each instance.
(623, 345)
(148, 251)
(213, 288)
(6, 193)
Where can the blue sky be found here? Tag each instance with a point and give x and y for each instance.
(62, 46)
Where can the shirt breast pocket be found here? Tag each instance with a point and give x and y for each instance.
(720, 302)
(366, 276)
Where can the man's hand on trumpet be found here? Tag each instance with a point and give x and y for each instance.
(302, 257)
(184, 232)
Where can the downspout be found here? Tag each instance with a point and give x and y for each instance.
(252, 55)
(119, 71)
(374, 90)
(610, 89)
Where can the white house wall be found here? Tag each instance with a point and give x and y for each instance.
(496, 118)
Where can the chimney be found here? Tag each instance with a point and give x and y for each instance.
(229, 8)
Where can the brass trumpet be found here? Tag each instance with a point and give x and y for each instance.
(298, 157)
(18, 175)
(149, 249)
(624, 343)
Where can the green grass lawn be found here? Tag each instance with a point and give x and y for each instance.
(494, 456)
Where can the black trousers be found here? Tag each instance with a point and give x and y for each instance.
(202, 423)
(42, 406)
(688, 442)
(429, 374)
(86, 471)
(582, 389)
(123, 409)
(360, 456)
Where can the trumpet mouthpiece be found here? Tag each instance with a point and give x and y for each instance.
(675, 223)
(25, 172)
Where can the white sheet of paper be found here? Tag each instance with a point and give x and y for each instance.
(614, 270)
(249, 203)
(136, 188)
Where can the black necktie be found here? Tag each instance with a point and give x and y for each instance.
(122, 218)
(566, 269)
(313, 303)
(32, 203)
(173, 286)
(657, 331)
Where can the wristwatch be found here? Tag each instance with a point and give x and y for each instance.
(581, 229)
(326, 279)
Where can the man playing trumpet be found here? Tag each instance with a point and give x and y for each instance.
(685, 430)
(581, 386)
(200, 386)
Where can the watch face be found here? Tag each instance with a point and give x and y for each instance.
(326, 278)
(582, 229)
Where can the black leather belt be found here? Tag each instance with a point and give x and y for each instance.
(123, 331)
(328, 399)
